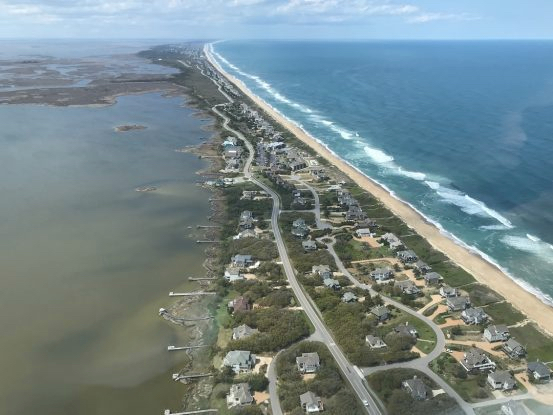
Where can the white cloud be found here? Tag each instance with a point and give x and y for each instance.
(431, 17)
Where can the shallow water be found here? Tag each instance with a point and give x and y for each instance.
(87, 261)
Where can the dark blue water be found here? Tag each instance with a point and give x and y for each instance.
(463, 131)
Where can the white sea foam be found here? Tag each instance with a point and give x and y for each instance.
(467, 204)
(530, 244)
(494, 227)
(264, 85)
(378, 156)
(415, 175)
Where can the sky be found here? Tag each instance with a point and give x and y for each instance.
(277, 19)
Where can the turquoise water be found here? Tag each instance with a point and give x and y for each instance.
(462, 131)
(86, 261)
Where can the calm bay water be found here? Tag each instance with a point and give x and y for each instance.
(463, 131)
(87, 261)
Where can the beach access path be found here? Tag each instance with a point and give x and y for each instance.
(484, 271)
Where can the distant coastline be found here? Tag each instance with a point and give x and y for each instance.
(484, 270)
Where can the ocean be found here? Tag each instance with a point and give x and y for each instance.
(460, 130)
(86, 261)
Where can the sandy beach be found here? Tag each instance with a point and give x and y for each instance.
(482, 270)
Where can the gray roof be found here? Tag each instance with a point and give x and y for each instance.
(540, 368)
(380, 311)
(309, 398)
(242, 258)
(320, 269)
(331, 283)
(238, 357)
(309, 244)
(416, 387)
(514, 346)
(373, 340)
(298, 223)
(242, 392)
(458, 301)
(475, 313)
(474, 357)
(498, 329)
(347, 297)
(407, 253)
(243, 331)
(309, 359)
(432, 276)
(504, 377)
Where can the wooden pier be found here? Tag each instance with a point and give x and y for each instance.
(201, 279)
(199, 241)
(173, 348)
(201, 411)
(192, 294)
(207, 226)
(177, 377)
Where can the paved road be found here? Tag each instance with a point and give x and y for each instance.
(355, 378)
(273, 394)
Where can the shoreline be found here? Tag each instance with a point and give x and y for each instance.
(482, 269)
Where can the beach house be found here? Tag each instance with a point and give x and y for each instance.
(382, 274)
(539, 371)
(446, 291)
(475, 360)
(474, 316)
(233, 274)
(375, 342)
(407, 256)
(240, 361)
(364, 232)
(422, 267)
(349, 297)
(242, 261)
(381, 313)
(242, 332)
(407, 287)
(496, 333)
(322, 271)
(239, 304)
(406, 329)
(239, 395)
(391, 240)
(416, 388)
(311, 403)
(309, 246)
(432, 278)
(514, 349)
(332, 284)
(501, 379)
(457, 303)
(308, 362)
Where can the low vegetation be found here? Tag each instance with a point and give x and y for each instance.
(388, 385)
(328, 382)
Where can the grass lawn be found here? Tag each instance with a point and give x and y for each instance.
(504, 313)
(453, 275)
(426, 334)
(482, 295)
(538, 345)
